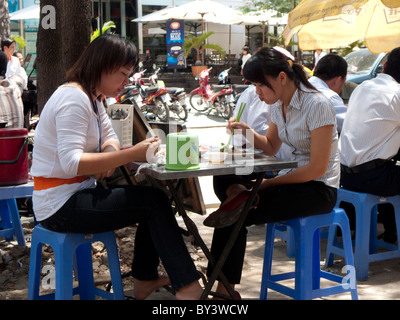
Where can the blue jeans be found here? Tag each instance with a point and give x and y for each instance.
(157, 235)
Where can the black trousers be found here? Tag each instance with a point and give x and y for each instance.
(157, 236)
(381, 181)
(276, 204)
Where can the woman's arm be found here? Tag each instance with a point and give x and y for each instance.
(270, 143)
(321, 141)
(100, 163)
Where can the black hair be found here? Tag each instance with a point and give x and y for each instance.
(331, 66)
(3, 64)
(392, 66)
(105, 54)
(270, 62)
(6, 42)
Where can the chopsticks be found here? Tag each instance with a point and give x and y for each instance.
(239, 114)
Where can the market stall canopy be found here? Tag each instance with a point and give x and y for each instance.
(340, 24)
(31, 12)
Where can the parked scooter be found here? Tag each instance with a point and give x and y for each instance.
(177, 102)
(204, 98)
(150, 100)
(179, 105)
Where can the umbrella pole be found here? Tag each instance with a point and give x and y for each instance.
(202, 32)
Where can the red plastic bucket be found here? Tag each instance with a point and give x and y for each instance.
(14, 167)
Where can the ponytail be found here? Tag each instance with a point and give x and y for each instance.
(271, 62)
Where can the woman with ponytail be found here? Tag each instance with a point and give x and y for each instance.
(304, 119)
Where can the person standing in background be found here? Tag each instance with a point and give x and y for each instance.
(14, 66)
(317, 56)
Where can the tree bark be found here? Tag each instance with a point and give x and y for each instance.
(4, 20)
(60, 42)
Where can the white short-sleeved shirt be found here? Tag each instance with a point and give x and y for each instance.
(67, 128)
(372, 127)
(308, 110)
(14, 68)
(337, 101)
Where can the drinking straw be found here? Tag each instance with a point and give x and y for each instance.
(239, 114)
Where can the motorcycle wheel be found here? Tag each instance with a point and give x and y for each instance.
(181, 111)
(227, 109)
(161, 110)
(198, 103)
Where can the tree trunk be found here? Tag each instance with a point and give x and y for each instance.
(64, 32)
(4, 20)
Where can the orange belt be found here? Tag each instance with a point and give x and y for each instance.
(42, 183)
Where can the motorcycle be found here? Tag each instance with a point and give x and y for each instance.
(150, 100)
(177, 101)
(179, 106)
(204, 98)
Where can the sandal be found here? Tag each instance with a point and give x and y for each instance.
(229, 213)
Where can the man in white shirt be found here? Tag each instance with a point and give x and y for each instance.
(318, 55)
(370, 140)
(329, 78)
(14, 66)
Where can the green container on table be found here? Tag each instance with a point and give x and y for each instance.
(182, 151)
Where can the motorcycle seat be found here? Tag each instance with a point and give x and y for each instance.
(175, 90)
(240, 87)
(150, 90)
(219, 86)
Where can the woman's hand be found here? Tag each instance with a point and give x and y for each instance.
(146, 149)
(240, 127)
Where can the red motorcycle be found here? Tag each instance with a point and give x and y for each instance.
(204, 98)
(152, 99)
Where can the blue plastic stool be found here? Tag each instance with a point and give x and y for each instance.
(366, 242)
(10, 220)
(286, 234)
(307, 272)
(67, 248)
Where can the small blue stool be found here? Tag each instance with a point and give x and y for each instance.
(366, 242)
(307, 272)
(69, 248)
(10, 220)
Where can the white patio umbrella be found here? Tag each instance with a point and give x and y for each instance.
(255, 18)
(31, 12)
(204, 10)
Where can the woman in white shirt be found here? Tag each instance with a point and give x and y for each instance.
(302, 118)
(75, 143)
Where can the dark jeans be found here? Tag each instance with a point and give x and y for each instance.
(276, 204)
(382, 181)
(158, 235)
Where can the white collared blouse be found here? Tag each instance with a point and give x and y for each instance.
(307, 111)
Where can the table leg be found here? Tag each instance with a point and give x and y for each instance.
(218, 267)
(192, 228)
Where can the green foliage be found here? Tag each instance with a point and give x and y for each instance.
(281, 6)
(198, 43)
(350, 48)
(107, 25)
(20, 40)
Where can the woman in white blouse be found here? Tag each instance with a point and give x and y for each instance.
(304, 119)
(75, 143)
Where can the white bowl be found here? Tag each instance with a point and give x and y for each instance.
(217, 157)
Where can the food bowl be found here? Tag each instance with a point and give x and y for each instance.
(217, 157)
